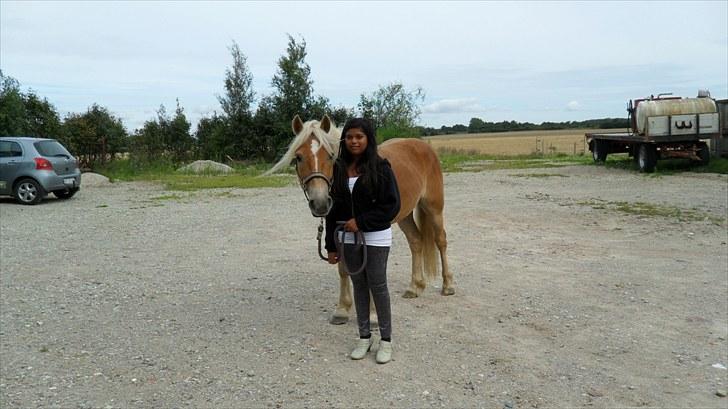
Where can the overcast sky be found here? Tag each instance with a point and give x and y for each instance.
(523, 61)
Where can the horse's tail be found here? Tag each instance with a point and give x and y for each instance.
(426, 225)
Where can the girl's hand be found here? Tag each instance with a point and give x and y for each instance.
(333, 257)
(351, 226)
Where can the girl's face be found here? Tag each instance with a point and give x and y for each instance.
(356, 141)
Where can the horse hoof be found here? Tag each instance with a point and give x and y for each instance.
(338, 320)
(409, 294)
(447, 291)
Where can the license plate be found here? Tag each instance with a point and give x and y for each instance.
(69, 181)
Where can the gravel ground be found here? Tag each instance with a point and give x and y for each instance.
(130, 296)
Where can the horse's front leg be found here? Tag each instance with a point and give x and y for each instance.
(341, 315)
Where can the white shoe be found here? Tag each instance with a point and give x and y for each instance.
(384, 354)
(361, 349)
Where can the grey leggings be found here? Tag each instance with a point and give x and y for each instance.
(373, 278)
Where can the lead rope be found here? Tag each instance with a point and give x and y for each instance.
(318, 237)
(359, 242)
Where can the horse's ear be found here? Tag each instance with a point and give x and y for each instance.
(326, 123)
(297, 125)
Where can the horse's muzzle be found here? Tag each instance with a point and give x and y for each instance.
(320, 208)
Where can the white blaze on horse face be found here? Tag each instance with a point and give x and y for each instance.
(317, 188)
(315, 146)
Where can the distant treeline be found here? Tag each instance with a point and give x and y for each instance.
(477, 125)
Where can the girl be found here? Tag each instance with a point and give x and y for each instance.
(365, 195)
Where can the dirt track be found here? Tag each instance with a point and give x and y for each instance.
(217, 299)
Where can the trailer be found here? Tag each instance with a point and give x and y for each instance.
(719, 144)
(662, 127)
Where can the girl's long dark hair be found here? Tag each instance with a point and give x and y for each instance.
(369, 163)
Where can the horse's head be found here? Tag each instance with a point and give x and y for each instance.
(313, 152)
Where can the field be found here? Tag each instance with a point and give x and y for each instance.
(570, 141)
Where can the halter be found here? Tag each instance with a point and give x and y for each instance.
(304, 186)
(311, 176)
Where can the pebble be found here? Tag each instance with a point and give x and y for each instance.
(722, 393)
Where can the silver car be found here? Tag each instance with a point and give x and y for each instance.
(30, 168)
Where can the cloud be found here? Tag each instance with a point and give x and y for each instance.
(453, 105)
(573, 106)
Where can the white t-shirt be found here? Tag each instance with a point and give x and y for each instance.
(380, 238)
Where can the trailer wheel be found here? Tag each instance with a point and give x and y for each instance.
(647, 157)
(704, 154)
(599, 150)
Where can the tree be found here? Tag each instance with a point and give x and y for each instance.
(393, 109)
(476, 125)
(148, 142)
(293, 96)
(42, 120)
(164, 137)
(25, 113)
(340, 115)
(267, 127)
(13, 117)
(211, 138)
(236, 105)
(95, 136)
(178, 139)
(294, 87)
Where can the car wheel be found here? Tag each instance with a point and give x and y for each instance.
(28, 192)
(65, 194)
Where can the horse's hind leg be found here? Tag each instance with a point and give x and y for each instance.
(373, 318)
(414, 238)
(341, 315)
(441, 241)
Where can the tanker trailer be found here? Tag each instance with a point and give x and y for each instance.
(662, 127)
(719, 144)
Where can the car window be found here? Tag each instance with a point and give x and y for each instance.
(10, 149)
(51, 148)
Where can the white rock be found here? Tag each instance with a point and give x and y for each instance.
(201, 166)
(93, 179)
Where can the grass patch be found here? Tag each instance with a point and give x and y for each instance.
(244, 176)
(459, 160)
(644, 209)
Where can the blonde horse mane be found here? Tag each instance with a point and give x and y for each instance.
(329, 141)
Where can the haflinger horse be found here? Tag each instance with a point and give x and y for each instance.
(419, 177)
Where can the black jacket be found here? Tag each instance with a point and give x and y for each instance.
(373, 211)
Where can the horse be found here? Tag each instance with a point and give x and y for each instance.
(419, 178)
